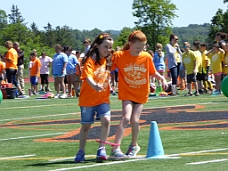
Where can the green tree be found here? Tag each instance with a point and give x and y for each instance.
(15, 16)
(49, 36)
(154, 19)
(3, 19)
(123, 37)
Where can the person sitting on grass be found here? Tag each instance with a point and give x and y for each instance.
(35, 66)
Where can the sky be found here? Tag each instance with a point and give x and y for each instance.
(105, 14)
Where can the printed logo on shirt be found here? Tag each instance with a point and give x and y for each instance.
(102, 77)
(187, 60)
(214, 58)
(135, 75)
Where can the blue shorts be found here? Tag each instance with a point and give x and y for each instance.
(34, 80)
(69, 72)
(88, 113)
(59, 75)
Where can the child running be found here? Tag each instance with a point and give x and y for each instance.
(94, 93)
(135, 67)
(216, 55)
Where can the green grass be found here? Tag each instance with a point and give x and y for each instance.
(174, 141)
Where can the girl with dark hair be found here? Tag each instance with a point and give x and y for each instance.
(220, 38)
(94, 93)
(173, 54)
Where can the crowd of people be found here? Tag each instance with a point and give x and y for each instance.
(132, 67)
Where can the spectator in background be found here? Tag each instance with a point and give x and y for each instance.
(59, 71)
(11, 65)
(220, 38)
(20, 65)
(46, 62)
(173, 54)
(87, 44)
(78, 81)
(2, 71)
(35, 66)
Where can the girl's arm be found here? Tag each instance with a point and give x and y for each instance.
(64, 67)
(93, 84)
(162, 78)
(209, 52)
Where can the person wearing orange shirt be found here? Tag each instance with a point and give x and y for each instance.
(135, 68)
(95, 92)
(2, 70)
(11, 65)
(34, 66)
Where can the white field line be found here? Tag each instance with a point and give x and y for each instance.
(15, 157)
(206, 162)
(67, 158)
(100, 164)
(198, 152)
(38, 106)
(33, 136)
(37, 117)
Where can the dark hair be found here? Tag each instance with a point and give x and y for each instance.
(196, 44)
(78, 52)
(171, 36)
(137, 35)
(67, 48)
(94, 50)
(43, 53)
(203, 44)
(222, 35)
(58, 46)
(33, 54)
(216, 46)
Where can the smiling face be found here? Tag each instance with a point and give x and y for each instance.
(105, 48)
(137, 47)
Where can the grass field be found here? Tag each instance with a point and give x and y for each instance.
(43, 135)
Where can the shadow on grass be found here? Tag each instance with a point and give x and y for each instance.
(64, 163)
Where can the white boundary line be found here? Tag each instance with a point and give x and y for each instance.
(206, 162)
(33, 136)
(13, 157)
(36, 117)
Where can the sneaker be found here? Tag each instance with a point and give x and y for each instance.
(188, 94)
(41, 89)
(69, 96)
(215, 92)
(80, 157)
(63, 96)
(20, 93)
(101, 154)
(117, 155)
(77, 95)
(56, 96)
(132, 151)
(47, 89)
(201, 91)
(196, 93)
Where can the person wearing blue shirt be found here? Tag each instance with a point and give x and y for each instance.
(159, 63)
(59, 71)
(71, 70)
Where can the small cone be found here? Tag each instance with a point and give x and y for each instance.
(155, 148)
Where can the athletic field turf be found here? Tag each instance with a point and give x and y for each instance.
(43, 135)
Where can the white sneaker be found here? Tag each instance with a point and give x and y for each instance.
(63, 96)
(56, 96)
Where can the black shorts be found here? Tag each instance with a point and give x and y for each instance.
(116, 76)
(65, 80)
(44, 78)
(199, 77)
(191, 78)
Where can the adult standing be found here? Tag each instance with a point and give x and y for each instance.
(46, 62)
(11, 65)
(20, 65)
(174, 54)
(87, 44)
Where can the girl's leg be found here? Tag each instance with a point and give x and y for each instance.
(127, 111)
(105, 127)
(57, 86)
(137, 110)
(83, 135)
(62, 85)
(68, 77)
(73, 81)
(218, 82)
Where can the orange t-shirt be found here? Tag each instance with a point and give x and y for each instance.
(2, 67)
(80, 65)
(88, 96)
(134, 75)
(12, 55)
(35, 66)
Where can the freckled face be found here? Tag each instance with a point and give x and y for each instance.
(137, 47)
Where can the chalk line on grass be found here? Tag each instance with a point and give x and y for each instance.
(206, 162)
(33, 136)
(15, 157)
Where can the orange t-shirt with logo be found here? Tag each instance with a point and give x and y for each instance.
(88, 96)
(134, 75)
(36, 64)
(13, 56)
(2, 67)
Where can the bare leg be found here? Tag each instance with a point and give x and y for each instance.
(83, 135)
(105, 127)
